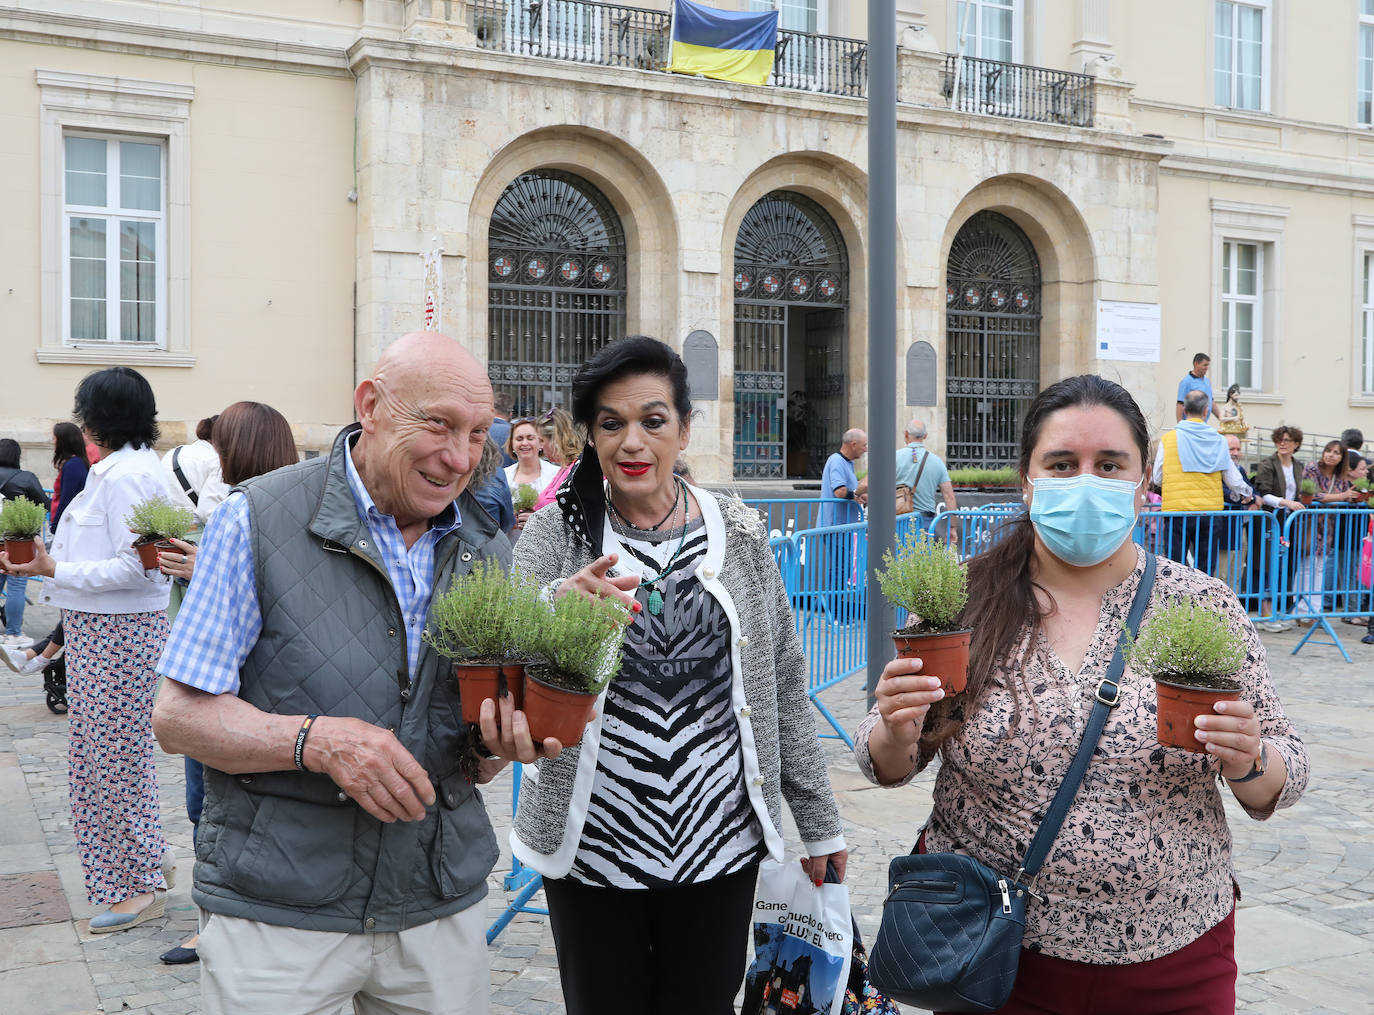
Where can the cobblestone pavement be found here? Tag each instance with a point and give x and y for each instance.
(1305, 930)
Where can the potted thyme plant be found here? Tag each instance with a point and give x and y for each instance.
(1362, 487)
(927, 579)
(489, 625)
(579, 654)
(21, 520)
(524, 498)
(1307, 489)
(1192, 654)
(156, 521)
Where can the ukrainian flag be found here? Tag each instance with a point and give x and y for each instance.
(726, 45)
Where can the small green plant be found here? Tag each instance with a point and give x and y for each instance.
(524, 498)
(580, 642)
(158, 518)
(1361, 485)
(1184, 640)
(1308, 487)
(486, 616)
(21, 518)
(927, 579)
(984, 477)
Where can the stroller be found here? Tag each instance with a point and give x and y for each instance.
(54, 678)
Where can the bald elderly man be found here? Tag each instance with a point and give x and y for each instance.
(343, 855)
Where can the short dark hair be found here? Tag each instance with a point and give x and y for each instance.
(9, 453)
(205, 429)
(635, 356)
(503, 402)
(1283, 430)
(1201, 357)
(67, 442)
(116, 407)
(1352, 438)
(252, 439)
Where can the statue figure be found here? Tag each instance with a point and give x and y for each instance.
(1231, 413)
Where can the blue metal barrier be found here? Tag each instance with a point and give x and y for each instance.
(786, 516)
(1321, 575)
(521, 879)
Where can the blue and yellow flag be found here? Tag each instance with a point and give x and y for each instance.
(726, 45)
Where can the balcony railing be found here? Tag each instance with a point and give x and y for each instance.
(576, 30)
(1020, 92)
(821, 63)
(613, 35)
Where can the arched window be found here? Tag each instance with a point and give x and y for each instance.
(555, 284)
(992, 340)
(791, 290)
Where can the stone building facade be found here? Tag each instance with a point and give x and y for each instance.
(1053, 156)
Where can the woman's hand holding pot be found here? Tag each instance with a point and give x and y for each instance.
(1232, 737)
(179, 564)
(904, 697)
(42, 565)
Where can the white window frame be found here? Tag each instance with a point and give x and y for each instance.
(1364, 80)
(1266, 54)
(1233, 300)
(113, 215)
(1362, 337)
(1263, 225)
(1018, 28)
(132, 109)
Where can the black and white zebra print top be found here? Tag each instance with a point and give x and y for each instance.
(668, 803)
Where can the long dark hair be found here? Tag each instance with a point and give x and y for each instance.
(67, 442)
(1002, 599)
(1338, 470)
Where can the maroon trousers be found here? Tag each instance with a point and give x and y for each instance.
(1198, 979)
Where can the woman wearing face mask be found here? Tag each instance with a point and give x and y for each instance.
(1138, 909)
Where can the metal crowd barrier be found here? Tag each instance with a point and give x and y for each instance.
(783, 517)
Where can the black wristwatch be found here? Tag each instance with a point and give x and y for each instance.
(1261, 763)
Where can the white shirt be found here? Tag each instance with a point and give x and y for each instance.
(199, 463)
(547, 471)
(98, 570)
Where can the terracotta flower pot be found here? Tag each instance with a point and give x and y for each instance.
(147, 552)
(943, 654)
(1305, 499)
(1179, 705)
(556, 712)
(21, 551)
(479, 681)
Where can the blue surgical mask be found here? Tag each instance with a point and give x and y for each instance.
(1083, 520)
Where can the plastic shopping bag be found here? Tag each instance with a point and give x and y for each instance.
(803, 936)
(1367, 557)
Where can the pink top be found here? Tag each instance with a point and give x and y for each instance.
(551, 491)
(1142, 864)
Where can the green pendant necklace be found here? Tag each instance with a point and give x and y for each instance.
(655, 596)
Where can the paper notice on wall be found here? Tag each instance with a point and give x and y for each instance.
(434, 289)
(1128, 331)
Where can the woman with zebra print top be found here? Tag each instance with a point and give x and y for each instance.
(653, 827)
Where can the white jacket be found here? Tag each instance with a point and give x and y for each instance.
(98, 570)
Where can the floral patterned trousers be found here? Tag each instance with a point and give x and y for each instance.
(110, 768)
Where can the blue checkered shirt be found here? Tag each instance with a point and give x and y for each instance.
(220, 619)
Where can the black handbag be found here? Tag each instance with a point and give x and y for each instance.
(950, 937)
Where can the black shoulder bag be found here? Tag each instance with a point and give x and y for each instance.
(950, 937)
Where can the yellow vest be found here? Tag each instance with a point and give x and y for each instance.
(1187, 491)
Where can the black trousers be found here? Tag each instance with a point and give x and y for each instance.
(678, 950)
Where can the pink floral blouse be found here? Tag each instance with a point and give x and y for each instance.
(1142, 865)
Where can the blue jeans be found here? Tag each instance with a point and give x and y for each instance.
(195, 794)
(14, 602)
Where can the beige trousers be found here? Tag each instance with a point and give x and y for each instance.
(437, 968)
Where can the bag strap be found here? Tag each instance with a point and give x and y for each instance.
(181, 477)
(924, 458)
(1108, 694)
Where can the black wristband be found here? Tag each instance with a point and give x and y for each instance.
(300, 742)
(849, 495)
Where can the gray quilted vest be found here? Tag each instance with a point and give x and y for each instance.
(291, 848)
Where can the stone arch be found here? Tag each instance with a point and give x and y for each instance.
(841, 190)
(636, 193)
(1068, 265)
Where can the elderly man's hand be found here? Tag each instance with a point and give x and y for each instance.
(370, 765)
(506, 732)
(861, 492)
